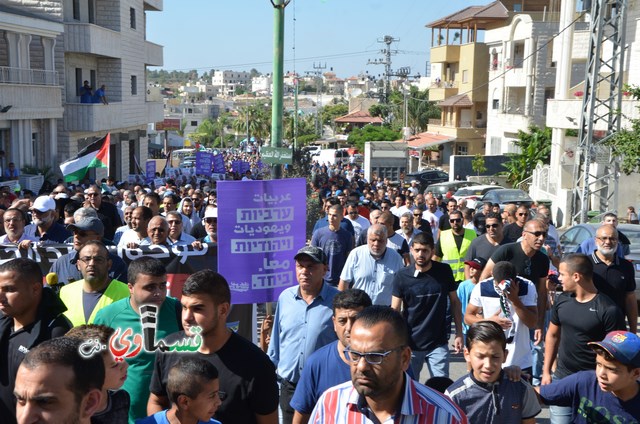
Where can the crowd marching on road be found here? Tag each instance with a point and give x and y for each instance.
(389, 277)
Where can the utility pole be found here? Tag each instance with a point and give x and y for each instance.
(317, 72)
(278, 80)
(387, 52)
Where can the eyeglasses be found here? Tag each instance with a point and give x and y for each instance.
(174, 222)
(417, 214)
(58, 192)
(538, 233)
(492, 225)
(92, 194)
(96, 259)
(455, 220)
(522, 214)
(609, 239)
(373, 358)
(210, 220)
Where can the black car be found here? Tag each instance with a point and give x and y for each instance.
(425, 178)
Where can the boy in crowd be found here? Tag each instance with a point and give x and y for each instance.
(194, 390)
(611, 393)
(114, 403)
(476, 265)
(486, 394)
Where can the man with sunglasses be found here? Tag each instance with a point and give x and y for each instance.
(380, 390)
(513, 231)
(452, 245)
(484, 245)
(530, 263)
(359, 222)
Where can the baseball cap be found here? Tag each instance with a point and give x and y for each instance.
(338, 192)
(624, 346)
(44, 204)
(211, 213)
(88, 224)
(313, 252)
(477, 263)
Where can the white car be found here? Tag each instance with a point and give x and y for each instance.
(473, 194)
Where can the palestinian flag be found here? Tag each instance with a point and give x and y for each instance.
(95, 155)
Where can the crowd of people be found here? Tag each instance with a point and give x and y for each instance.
(390, 280)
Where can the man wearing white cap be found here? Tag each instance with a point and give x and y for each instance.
(210, 222)
(44, 227)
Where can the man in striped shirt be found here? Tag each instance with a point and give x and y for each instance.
(380, 391)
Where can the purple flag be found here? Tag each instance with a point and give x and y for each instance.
(204, 162)
(259, 232)
(151, 170)
(218, 164)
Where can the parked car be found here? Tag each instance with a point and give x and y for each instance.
(571, 239)
(426, 177)
(505, 196)
(443, 188)
(474, 193)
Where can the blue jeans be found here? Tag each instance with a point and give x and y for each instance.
(559, 414)
(437, 361)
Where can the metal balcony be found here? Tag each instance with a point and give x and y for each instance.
(27, 76)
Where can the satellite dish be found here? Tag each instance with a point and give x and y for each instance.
(355, 92)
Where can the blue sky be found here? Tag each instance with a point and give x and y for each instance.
(238, 34)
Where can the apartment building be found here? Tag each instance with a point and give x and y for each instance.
(191, 115)
(31, 56)
(105, 43)
(227, 81)
(522, 76)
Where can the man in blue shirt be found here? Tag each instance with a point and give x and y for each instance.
(315, 379)
(302, 323)
(335, 242)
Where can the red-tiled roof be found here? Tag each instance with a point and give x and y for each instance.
(359, 117)
(459, 100)
(425, 139)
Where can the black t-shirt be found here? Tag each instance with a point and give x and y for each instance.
(14, 345)
(443, 223)
(581, 323)
(246, 375)
(117, 411)
(532, 268)
(90, 300)
(457, 238)
(615, 280)
(481, 248)
(512, 232)
(425, 295)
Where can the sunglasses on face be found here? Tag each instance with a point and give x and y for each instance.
(455, 220)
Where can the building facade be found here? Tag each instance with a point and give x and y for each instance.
(31, 78)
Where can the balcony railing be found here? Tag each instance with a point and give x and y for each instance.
(27, 76)
(444, 84)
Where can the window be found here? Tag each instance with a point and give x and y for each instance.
(92, 79)
(92, 11)
(76, 10)
(132, 17)
(134, 85)
(495, 104)
(79, 81)
(462, 149)
(494, 145)
(465, 76)
(194, 123)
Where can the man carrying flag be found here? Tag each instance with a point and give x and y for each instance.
(95, 155)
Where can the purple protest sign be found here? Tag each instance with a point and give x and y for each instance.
(261, 226)
(244, 167)
(151, 170)
(236, 166)
(204, 162)
(218, 164)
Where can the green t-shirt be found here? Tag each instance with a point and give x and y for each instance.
(120, 315)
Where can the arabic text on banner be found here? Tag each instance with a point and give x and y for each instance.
(204, 162)
(259, 236)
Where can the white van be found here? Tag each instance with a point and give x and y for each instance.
(331, 156)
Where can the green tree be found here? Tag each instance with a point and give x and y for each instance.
(626, 142)
(359, 136)
(478, 164)
(535, 147)
(420, 110)
(205, 134)
(331, 112)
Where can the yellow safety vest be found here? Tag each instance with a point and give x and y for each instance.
(71, 295)
(450, 253)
